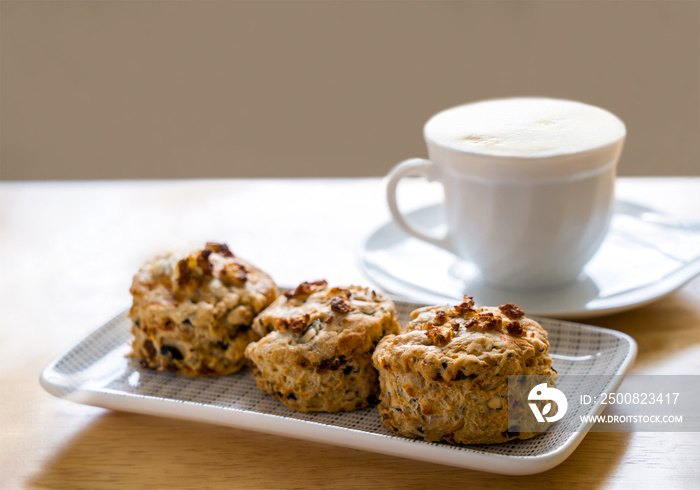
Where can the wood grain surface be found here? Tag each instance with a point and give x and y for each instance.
(67, 255)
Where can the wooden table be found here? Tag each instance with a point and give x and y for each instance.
(68, 253)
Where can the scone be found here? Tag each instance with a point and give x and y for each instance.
(316, 350)
(446, 378)
(193, 314)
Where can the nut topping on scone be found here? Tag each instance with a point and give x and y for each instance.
(465, 316)
(306, 288)
(515, 329)
(512, 310)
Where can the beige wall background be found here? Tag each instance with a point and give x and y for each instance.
(159, 89)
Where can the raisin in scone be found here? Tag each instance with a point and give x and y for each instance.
(446, 378)
(192, 314)
(316, 350)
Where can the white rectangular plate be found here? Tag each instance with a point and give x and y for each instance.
(96, 372)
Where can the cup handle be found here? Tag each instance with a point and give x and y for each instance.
(416, 167)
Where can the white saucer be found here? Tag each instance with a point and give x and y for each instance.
(640, 261)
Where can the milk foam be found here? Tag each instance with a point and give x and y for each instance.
(525, 127)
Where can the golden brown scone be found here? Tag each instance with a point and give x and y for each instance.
(446, 378)
(316, 353)
(193, 314)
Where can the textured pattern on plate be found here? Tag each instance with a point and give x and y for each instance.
(98, 366)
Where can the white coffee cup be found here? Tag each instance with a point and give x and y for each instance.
(528, 183)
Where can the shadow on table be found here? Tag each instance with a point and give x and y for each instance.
(122, 450)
